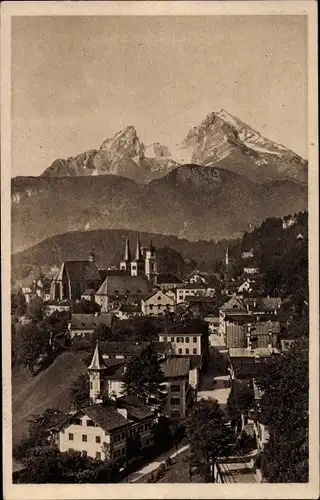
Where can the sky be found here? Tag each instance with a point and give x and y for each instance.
(79, 80)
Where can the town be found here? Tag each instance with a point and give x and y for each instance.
(140, 376)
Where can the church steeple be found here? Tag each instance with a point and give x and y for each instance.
(96, 369)
(127, 253)
(138, 250)
(97, 363)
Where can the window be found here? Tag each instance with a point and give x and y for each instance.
(90, 423)
(151, 307)
(187, 340)
(98, 455)
(172, 339)
(98, 439)
(159, 297)
(195, 340)
(194, 350)
(91, 385)
(187, 351)
(175, 401)
(70, 436)
(77, 421)
(159, 307)
(123, 435)
(165, 339)
(84, 438)
(180, 350)
(175, 388)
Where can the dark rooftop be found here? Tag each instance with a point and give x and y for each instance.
(176, 367)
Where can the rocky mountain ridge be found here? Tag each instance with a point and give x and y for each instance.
(221, 140)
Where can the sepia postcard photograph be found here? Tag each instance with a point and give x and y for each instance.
(160, 257)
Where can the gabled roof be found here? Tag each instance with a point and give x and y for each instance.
(263, 303)
(136, 409)
(107, 417)
(97, 362)
(125, 285)
(192, 286)
(176, 367)
(78, 270)
(124, 348)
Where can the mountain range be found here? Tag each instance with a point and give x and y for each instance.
(221, 140)
(221, 180)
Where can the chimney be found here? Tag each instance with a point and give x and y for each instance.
(254, 303)
(123, 412)
(91, 257)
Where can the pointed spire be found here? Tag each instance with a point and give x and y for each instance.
(127, 253)
(151, 247)
(138, 249)
(97, 362)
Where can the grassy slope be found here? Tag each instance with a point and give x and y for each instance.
(49, 389)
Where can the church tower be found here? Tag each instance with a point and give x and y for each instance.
(126, 262)
(96, 370)
(151, 269)
(137, 265)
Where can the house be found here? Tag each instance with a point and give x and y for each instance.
(176, 373)
(247, 254)
(88, 294)
(286, 344)
(102, 431)
(249, 330)
(244, 306)
(82, 325)
(127, 311)
(57, 305)
(246, 363)
(245, 286)
(198, 277)
(116, 291)
(185, 339)
(157, 304)
(288, 221)
(191, 289)
(168, 281)
(251, 270)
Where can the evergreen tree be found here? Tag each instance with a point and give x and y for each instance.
(284, 410)
(145, 379)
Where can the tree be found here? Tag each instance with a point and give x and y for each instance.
(145, 379)
(240, 401)
(101, 333)
(161, 431)
(284, 410)
(80, 390)
(30, 344)
(208, 436)
(35, 310)
(86, 307)
(18, 304)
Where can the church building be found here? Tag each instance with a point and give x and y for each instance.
(73, 278)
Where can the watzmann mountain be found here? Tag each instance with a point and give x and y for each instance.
(230, 180)
(221, 140)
